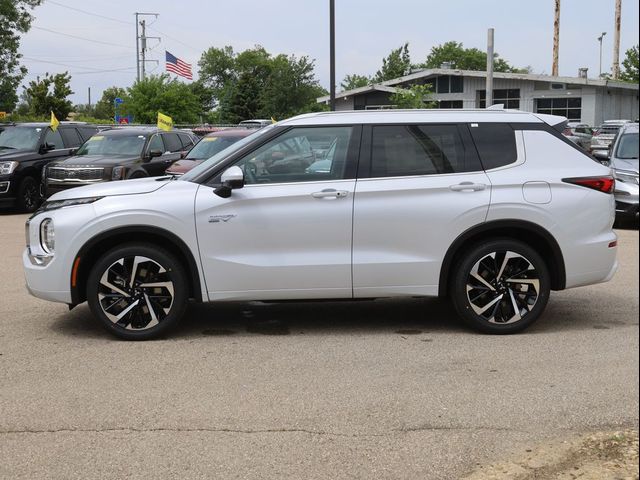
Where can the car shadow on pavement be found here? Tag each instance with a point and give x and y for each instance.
(407, 316)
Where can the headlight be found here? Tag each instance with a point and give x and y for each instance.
(117, 173)
(47, 235)
(7, 168)
(55, 204)
(625, 176)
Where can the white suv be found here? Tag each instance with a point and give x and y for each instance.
(492, 208)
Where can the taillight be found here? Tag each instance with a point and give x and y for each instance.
(604, 184)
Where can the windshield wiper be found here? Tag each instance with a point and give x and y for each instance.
(7, 147)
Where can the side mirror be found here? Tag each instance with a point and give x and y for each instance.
(155, 153)
(46, 147)
(232, 178)
(73, 151)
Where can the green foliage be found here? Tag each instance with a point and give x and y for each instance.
(160, 94)
(416, 96)
(630, 64)
(466, 59)
(50, 95)
(396, 64)
(355, 81)
(255, 84)
(105, 108)
(15, 19)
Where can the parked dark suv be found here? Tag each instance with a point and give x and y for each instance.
(118, 154)
(25, 149)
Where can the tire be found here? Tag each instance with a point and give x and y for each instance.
(158, 306)
(28, 195)
(499, 304)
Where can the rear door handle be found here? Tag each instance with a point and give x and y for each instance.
(468, 187)
(330, 193)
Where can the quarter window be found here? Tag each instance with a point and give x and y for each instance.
(299, 155)
(496, 144)
(403, 150)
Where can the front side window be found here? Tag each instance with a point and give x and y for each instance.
(303, 154)
(125, 145)
(54, 138)
(156, 144)
(404, 150)
(172, 142)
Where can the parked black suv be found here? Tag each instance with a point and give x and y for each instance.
(118, 154)
(25, 149)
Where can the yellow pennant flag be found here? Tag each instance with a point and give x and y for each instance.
(54, 122)
(165, 122)
(273, 120)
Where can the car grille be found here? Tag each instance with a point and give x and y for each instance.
(75, 174)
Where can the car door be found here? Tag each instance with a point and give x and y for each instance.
(423, 186)
(287, 232)
(56, 147)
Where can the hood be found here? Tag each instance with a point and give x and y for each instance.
(101, 160)
(7, 155)
(106, 189)
(622, 164)
(184, 165)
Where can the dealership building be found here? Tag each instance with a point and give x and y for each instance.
(580, 99)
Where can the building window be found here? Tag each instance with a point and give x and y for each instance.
(450, 104)
(510, 98)
(449, 84)
(565, 107)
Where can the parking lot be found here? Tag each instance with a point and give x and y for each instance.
(371, 389)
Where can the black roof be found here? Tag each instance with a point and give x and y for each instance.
(128, 131)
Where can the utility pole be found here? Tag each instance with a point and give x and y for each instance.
(489, 85)
(89, 94)
(616, 41)
(332, 55)
(141, 44)
(600, 67)
(556, 39)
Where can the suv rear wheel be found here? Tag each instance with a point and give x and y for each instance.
(501, 286)
(137, 291)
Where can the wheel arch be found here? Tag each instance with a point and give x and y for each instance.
(94, 248)
(530, 233)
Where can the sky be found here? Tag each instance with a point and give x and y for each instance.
(98, 48)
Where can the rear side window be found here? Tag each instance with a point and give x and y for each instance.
(405, 150)
(87, 132)
(172, 142)
(496, 144)
(187, 143)
(71, 137)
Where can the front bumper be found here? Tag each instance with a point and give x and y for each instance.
(40, 279)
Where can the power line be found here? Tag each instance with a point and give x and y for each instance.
(90, 13)
(67, 65)
(174, 39)
(83, 38)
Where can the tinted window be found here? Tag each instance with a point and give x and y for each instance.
(172, 142)
(401, 150)
(156, 144)
(496, 144)
(187, 143)
(71, 137)
(54, 138)
(87, 132)
(291, 157)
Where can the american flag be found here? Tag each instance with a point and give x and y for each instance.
(177, 66)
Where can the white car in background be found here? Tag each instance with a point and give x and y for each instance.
(492, 208)
(623, 160)
(603, 136)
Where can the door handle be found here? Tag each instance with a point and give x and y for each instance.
(330, 193)
(468, 187)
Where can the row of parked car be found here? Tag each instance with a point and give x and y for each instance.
(36, 161)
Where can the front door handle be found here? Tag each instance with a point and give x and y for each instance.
(330, 193)
(468, 187)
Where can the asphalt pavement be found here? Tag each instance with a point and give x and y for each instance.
(373, 389)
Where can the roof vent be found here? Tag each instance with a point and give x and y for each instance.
(446, 65)
(582, 72)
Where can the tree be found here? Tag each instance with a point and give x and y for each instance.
(157, 93)
(50, 95)
(630, 64)
(14, 20)
(465, 59)
(415, 96)
(105, 107)
(355, 81)
(253, 84)
(396, 64)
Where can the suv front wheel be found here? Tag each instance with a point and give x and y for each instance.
(137, 291)
(501, 286)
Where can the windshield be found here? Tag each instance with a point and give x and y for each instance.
(627, 147)
(218, 157)
(124, 145)
(209, 146)
(20, 138)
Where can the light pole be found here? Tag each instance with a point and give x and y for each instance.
(600, 40)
